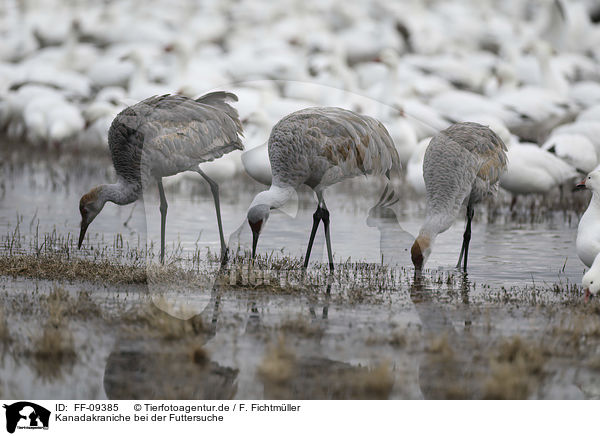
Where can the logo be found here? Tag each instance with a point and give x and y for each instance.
(26, 415)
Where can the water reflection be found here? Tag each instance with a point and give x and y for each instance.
(394, 241)
(298, 369)
(320, 378)
(443, 374)
(325, 311)
(168, 359)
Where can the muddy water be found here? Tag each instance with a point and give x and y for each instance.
(412, 344)
(498, 332)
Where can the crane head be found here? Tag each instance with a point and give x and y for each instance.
(90, 206)
(257, 217)
(420, 251)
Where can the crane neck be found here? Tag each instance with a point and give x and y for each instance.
(120, 193)
(435, 224)
(275, 197)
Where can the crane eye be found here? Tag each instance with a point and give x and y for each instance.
(592, 282)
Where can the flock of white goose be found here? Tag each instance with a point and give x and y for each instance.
(528, 69)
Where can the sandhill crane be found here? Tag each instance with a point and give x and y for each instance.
(462, 165)
(320, 147)
(159, 137)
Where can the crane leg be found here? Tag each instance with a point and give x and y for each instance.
(462, 252)
(466, 238)
(214, 188)
(163, 219)
(316, 220)
(321, 214)
(325, 218)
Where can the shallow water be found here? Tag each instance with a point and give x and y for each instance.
(444, 336)
(412, 344)
(44, 197)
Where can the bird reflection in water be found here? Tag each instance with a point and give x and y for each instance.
(394, 241)
(142, 366)
(446, 370)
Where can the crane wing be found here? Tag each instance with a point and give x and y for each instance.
(355, 144)
(174, 133)
(484, 145)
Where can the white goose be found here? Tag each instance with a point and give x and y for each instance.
(591, 279)
(458, 105)
(52, 120)
(573, 148)
(257, 165)
(111, 71)
(589, 129)
(588, 231)
(12, 107)
(532, 170)
(585, 94)
(590, 114)
(255, 158)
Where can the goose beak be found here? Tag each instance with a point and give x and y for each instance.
(580, 185)
(82, 234)
(588, 295)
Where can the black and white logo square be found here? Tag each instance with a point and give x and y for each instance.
(26, 415)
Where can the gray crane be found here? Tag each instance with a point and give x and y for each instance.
(462, 165)
(160, 137)
(319, 147)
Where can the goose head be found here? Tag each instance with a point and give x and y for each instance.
(591, 182)
(591, 280)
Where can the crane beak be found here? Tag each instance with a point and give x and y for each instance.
(588, 295)
(254, 243)
(255, 234)
(82, 234)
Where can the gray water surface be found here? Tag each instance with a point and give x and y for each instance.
(443, 336)
(43, 195)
